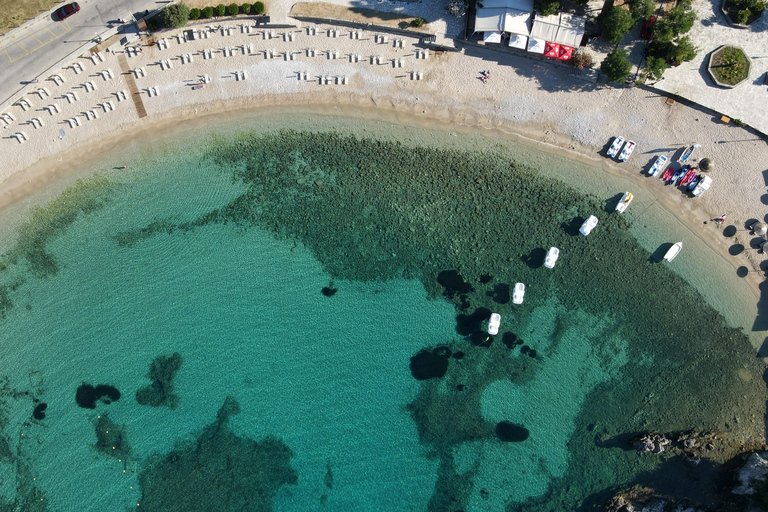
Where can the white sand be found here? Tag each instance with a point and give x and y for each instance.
(526, 97)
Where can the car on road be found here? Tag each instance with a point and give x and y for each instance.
(67, 11)
(648, 27)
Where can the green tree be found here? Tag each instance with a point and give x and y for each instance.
(655, 67)
(258, 8)
(175, 15)
(616, 66)
(233, 9)
(641, 9)
(547, 7)
(615, 24)
(221, 10)
(194, 14)
(682, 17)
(418, 22)
(680, 51)
(246, 8)
(206, 12)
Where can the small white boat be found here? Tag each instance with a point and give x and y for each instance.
(703, 186)
(588, 225)
(658, 165)
(518, 293)
(615, 147)
(629, 147)
(493, 324)
(623, 203)
(673, 251)
(687, 153)
(552, 254)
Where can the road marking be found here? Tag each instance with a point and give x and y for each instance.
(29, 41)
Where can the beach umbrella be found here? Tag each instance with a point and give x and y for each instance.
(706, 164)
(760, 229)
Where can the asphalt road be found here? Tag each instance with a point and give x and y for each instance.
(28, 52)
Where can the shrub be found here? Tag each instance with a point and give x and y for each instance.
(258, 8)
(547, 7)
(641, 9)
(742, 16)
(738, 122)
(153, 24)
(581, 59)
(246, 8)
(418, 22)
(744, 11)
(616, 66)
(221, 10)
(655, 67)
(207, 12)
(233, 9)
(615, 24)
(729, 65)
(175, 15)
(194, 14)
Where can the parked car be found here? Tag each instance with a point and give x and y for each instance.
(648, 27)
(67, 11)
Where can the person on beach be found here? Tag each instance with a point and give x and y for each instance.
(720, 219)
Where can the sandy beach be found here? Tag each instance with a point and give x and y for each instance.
(255, 68)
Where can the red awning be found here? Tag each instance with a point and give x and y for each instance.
(566, 52)
(552, 50)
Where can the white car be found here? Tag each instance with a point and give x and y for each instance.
(518, 293)
(588, 225)
(493, 324)
(703, 186)
(551, 258)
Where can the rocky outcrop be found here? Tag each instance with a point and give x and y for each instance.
(639, 499)
(753, 472)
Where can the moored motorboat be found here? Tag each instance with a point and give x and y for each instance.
(623, 203)
(552, 254)
(688, 177)
(673, 251)
(687, 153)
(614, 149)
(588, 225)
(694, 182)
(518, 293)
(494, 323)
(678, 175)
(703, 186)
(629, 147)
(657, 165)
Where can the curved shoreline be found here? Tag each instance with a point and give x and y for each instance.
(522, 102)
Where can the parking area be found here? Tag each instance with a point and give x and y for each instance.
(33, 37)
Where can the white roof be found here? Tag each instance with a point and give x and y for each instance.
(571, 30)
(545, 27)
(536, 45)
(502, 20)
(512, 16)
(492, 37)
(518, 41)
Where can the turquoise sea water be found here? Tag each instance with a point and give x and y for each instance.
(219, 248)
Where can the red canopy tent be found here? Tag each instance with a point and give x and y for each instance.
(552, 50)
(566, 52)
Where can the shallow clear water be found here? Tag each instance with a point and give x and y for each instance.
(219, 251)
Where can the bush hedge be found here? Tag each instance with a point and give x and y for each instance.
(258, 8)
(194, 14)
(175, 15)
(221, 10)
(207, 12)
(245, 8)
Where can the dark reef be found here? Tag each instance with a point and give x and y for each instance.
(87, 395)
(217, 472)
(111, 438)
(162, 371)
(39, 412)
(511, 432)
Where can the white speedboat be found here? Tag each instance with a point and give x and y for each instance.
(552, 254)
(615, 147)
(658, 165)
(673, 251)
(493, 324)
(518, 293)
(629, 147)
(588, 225)
(702, 186)
(623, 203)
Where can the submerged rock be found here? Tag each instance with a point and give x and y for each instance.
(162, 371)
(650, 442)
(467, 324)
(111, 438)
(217, 472)
(430, 364)
(453, 283)
(87, 395)
(39, 412)
(752, 474)
(329, 291)
(511, 432)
